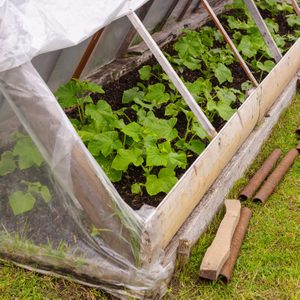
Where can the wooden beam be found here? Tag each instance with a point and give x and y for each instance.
(166, 16)
(184, 10)
(219, 251)
(187, 193)
(229, 42)
(264, 30)
(142, 12)
(87, 53)
(187, 96)
(296, 7)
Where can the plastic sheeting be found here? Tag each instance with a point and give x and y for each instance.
(58, 209)
(32, 27)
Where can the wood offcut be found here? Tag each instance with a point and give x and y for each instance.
(219, 251)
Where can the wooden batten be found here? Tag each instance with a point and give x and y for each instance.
(163, 224)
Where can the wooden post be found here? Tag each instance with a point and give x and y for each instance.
(229, 42)
(296, 7)
(166, 16)
(187, 96)
(142, 12)
(183, 12)
(87, 53)
(264, 30)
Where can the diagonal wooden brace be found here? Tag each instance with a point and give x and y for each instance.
(229, 42)
(187, 96)
(263, 30)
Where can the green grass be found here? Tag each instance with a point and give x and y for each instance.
(269, 263)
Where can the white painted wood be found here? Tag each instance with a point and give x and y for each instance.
(218, 252)
(205, 211)
(263, 30)
(296, 7)
(229, 42)
(187, 193)
(145, 35)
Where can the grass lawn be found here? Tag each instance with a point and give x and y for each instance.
(269, 263)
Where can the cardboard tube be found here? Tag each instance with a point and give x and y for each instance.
(236, 243)
(269, 186)
(260, 175)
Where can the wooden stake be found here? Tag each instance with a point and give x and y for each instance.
(229, 42)
(187, 96)
(263, 30)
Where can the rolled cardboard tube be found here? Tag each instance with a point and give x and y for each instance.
(237, 240)
(269, 186)
(260, 175)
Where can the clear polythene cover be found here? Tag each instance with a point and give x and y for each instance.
(32, 27)
(59, 213)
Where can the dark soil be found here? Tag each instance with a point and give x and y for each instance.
(113, 95)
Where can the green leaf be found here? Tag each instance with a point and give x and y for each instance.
(196, 146)
(145, 72)
(198, 129)
(223, 73)
(156, 93)
(134, 130)
(226, 95)
(154, 157)
(38, 188)
(45, 193)
(136, 188)
(247, 47)
(177, 159)
(160, 128)
(90, 86)
(113, 175)
(293, 20)
(224, 110)
(164, 182)
(28, 154)
(131, 94)
(67, 94)
(7, 163)
(267, 66)
(125, 157)
(105, 143)
(21, 202)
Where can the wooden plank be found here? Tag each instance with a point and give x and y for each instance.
(229, 42)
(263, 30)
(205, 211)
(296, 7)
(187, 193)
(184, 10)
(141, 12)
(166, 16)
(71, 164)
(219, 251)
(187, 96)
(87, 53)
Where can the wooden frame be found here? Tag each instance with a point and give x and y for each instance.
(187, 193)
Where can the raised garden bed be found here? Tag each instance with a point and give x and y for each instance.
(157, 144)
